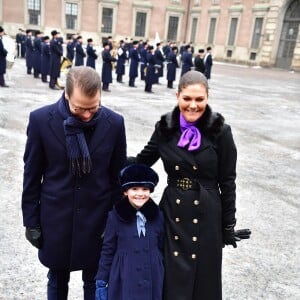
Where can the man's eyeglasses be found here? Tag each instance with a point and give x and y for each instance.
(78, 109)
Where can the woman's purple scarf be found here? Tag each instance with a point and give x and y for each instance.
(190, 135)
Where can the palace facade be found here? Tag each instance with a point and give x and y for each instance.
(253, 32)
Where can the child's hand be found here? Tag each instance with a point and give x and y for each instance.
(101, 290)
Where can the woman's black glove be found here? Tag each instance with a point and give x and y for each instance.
(229, 237)
(34, 236)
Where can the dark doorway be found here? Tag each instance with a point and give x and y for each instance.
(289, 35)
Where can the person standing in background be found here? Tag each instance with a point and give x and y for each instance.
(91, 54)
(37, 54)
(159, 58)
(187, 60)
(29, 50)
(122, 56)
(172, 66)
(199, 61)
(80, 55)
(107, 67)
(56, 52)
(3, 54)
(134, 63)
(208, 61)
(45, 61)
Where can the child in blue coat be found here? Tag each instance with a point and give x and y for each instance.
(131, 263)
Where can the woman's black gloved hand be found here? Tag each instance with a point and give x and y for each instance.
(34, 236)
(229, 237)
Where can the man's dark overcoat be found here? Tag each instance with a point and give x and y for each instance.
(196, 214)
(71, 210)
(133, 265)
(151, 76)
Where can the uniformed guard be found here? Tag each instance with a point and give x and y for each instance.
(91, 54)
(106, 67)
(159, 57)
(122, 56)
(143, 63)
(134, 63)
(172, 66)
(70, 49)
(187, 60)
(37, 54)
(150, 77)
(29, 50)
(56, 52)
(45, 61)
(80, 55)
(3, 54)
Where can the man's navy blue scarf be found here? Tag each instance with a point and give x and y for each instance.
(77, 149)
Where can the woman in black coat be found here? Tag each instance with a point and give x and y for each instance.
(199, 156)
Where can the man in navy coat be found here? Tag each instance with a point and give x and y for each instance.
(74, 152)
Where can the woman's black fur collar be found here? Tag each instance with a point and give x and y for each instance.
(128, 213)
(209, 123)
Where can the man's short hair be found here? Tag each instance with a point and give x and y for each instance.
(85, 78)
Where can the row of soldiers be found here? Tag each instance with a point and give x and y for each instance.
(44, 56)
(151, 62)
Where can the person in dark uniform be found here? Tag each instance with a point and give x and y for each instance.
(187, 60)
(3, 54)
(199, 61)
(37, 53)
(29, 50)
(70, 49)
(199, 156)
(106, 67)
(208, 61)
(56, 52)
(143, 62)
(134, 63)
(122, 56)
(80, 55)
(45, 61)
(159, 61)
(75, 150)
(172, 66)
(151, 76)
(91, 54)
(19, 42)
(110, 42)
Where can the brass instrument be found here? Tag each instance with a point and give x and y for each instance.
(65, 66)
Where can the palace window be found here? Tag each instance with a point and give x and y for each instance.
(140, 24)
(232, 31)
(34, 12)
(212, 29)
(173, 28)
(194, 29)
(107, 20)
(71, 15)
(256, 33)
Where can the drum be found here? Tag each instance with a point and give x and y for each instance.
(10, 46)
